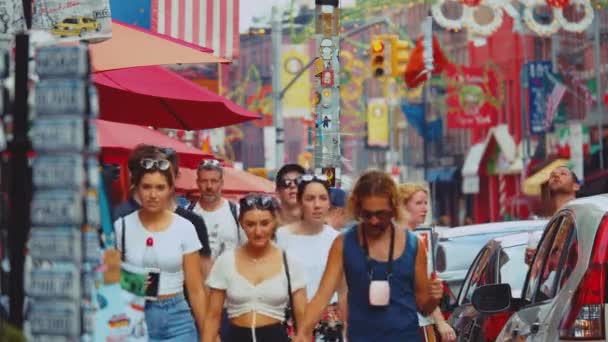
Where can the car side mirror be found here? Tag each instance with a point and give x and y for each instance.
(492, 298)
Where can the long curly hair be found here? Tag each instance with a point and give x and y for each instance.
(374, 183)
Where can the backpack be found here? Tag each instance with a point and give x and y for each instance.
(234, 213)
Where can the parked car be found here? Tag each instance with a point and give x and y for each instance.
(500, 260)
(457, 248)
(564, 296)
(76, 26)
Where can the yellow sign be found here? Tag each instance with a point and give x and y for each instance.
(377, 123)
(296, 102)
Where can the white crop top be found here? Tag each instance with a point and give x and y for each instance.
(268, 298)
(170, 246)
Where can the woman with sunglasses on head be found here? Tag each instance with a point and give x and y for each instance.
(254, 281)
(414, 199)
(155, 237)
(310, 239)
(385, 270)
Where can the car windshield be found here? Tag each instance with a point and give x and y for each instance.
(513, 269)
(70, 21)
(460, 252)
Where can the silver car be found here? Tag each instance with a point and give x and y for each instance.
(564, 296)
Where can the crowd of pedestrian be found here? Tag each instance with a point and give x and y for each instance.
(311, 264)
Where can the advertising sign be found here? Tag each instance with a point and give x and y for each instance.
(89, 20)
(474, 96)
(537, 94)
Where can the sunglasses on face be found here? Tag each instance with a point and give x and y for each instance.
(264, 202)
(210, 163)
(288, 183)
(159, 164)
(381, 215)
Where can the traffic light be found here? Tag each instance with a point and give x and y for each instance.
(400, 56)
(378, 58)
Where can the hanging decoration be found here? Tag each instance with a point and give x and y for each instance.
(582, 24)
(558, 3)
(558, 20)
(467, 19)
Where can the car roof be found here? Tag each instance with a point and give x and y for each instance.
(490, 228)
(517, 239)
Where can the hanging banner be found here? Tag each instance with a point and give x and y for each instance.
(89, 20)
(474, 96)
(296, 102)
(537, 72)
(377, 124)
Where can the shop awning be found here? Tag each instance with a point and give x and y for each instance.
(532, 185)
(470, 169)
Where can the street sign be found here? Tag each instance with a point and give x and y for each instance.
(60, 281)
(63, 97)
(57, 207)
(63, 61)
(59, 318)
(55, 244)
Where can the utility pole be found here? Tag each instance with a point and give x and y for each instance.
(277, 104)
(598, 87)
(427, 29)
(327, 152)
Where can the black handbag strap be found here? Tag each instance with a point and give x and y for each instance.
(123, 246)
(291, 308)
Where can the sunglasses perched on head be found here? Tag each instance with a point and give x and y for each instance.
(259, 201)
(159, 164)
(210, 163)
(313, 178)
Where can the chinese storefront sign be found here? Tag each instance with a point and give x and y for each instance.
(474, 96)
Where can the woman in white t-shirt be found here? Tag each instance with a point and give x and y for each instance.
(309, 241)
(254, 281)
(156, 238)
(415, 201)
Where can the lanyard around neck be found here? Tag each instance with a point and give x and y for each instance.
(389, 269)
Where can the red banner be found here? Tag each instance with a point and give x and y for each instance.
(474, 96)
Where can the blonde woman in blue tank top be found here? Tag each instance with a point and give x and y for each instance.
(385, 270)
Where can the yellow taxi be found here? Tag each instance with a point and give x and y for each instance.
(76, 26)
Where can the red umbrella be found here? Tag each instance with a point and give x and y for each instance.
(153, 95)
(119, 139)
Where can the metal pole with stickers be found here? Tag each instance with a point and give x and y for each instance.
(64, 250)
(327, 151)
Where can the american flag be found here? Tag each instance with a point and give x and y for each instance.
(210, 23)
(553, 101)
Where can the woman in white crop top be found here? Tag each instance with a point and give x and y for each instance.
(252, 281)
(309, 241)
(156, 238)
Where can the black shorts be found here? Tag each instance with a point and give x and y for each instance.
(270, 333)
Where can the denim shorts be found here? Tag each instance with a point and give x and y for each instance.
(170, 320)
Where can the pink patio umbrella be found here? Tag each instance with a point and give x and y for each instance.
(155, 96)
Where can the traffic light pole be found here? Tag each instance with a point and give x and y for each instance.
(327, 151)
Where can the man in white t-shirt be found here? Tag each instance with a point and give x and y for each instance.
(219, 214)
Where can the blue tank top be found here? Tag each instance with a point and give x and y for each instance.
(398, 321)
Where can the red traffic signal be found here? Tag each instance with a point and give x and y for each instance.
(377, 46)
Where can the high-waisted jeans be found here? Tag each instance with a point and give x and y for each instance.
(170, 320)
